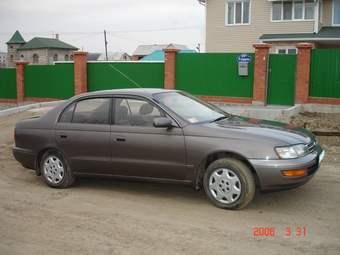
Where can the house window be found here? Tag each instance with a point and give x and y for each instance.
(286, 50)
(55, 57)
(293, 10)
(309, 9)
(336, 13)
(298, 10)
(238, 13)
(287, 10)
(66, 57)
(320, 12)
(35, 58)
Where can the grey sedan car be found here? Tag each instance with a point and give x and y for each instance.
(166, 136)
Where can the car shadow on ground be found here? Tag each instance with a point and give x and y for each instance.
(273, 201)
(136, 188)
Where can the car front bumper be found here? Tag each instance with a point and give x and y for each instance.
(270, 176)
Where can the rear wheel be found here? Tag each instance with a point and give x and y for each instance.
(56, 170)
(229, 183)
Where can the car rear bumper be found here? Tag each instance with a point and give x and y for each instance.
(270, 176)
(26, 158)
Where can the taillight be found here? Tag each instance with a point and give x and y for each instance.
(15, 137)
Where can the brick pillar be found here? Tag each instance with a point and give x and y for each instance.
(20, 79)
(302, 73)
(80, 72)
(170, 67)
(260, 73)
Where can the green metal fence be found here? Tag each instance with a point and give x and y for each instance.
(213, 74)
(325, 73)
(101, 76)
(49, 81)
(8, 87)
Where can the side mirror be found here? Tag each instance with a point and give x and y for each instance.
(162, 122)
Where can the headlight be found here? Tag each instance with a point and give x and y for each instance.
(295, 151)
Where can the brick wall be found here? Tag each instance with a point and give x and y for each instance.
(260, 73)
(302, 73)
(170, 67)
(227, 100)
(20, 79)
(80, 72)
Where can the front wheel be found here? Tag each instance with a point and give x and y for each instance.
(56, 170)
(229, 183)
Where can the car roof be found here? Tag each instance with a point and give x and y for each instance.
(130, 91)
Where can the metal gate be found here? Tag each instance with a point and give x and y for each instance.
(281, 79)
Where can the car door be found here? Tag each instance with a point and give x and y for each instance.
(141, 150)
(83, 134)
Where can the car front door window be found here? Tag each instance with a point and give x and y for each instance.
(135, 112)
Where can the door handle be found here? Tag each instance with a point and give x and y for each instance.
(62, 136)
(119, 139)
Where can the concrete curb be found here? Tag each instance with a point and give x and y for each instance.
(325, 108)
(271, 112)
(261, 112)
(27, 107)
(291, 112)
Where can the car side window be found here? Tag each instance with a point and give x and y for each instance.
(88, 111)
(67, 114)
(135, 112)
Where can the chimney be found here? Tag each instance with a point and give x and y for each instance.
(57, 36)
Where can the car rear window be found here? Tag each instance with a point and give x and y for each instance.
(88, 111)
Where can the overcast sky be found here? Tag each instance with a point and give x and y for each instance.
(128, 23)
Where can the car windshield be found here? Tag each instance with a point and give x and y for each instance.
(190, 108)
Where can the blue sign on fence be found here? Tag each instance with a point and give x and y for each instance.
(243, 58)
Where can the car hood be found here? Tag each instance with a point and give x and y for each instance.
(251, 127)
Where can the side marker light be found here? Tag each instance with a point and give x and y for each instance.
(294, 173)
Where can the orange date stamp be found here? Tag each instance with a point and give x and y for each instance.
(270, 231)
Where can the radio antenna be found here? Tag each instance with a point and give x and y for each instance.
(126, 77)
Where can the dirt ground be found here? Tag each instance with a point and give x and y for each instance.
(113, 217)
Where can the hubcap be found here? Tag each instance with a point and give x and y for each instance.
(225, 186)
(53, 169)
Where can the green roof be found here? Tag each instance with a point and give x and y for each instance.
(16, 38)
(42, 43)
(325, 33)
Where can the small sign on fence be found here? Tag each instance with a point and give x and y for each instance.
(245, 58)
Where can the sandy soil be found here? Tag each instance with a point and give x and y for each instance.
(111, 217)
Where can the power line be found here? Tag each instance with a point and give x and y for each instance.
(113, 31)
(156, 30)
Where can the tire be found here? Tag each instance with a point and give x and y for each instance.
(56, 170)
(229, 183)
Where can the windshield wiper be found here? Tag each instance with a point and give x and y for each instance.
(222, 117)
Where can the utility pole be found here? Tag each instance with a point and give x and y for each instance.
(105, 46)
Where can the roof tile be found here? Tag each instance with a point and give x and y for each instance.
(41, 43)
